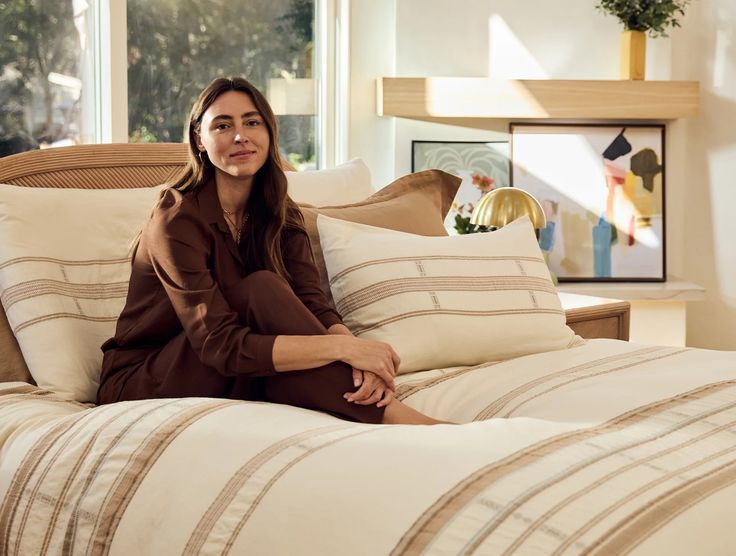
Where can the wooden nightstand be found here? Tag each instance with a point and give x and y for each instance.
(596, 317)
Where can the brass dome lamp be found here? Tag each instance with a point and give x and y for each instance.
(503, 205)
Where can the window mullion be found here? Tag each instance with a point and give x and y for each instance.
(112, 48)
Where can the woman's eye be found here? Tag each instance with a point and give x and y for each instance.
(221, 126)
(253, 122)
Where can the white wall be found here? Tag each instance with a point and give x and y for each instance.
(570, 39)
(372, 55)
(705, 49)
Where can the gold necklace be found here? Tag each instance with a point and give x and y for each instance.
(230, 217)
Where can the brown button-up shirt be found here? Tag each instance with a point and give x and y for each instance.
(185, 262)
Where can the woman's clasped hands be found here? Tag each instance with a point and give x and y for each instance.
(375, 365)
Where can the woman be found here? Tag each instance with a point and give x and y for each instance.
(224, 298)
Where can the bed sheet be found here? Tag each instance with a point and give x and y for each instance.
(609, 447)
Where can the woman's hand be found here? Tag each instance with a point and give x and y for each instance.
(373, 357)
(372, 390)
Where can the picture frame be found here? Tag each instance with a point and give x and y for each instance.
(482, 165)
(602, 188)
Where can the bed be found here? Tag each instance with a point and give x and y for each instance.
(597, 447)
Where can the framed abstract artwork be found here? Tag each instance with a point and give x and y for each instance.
(481, 165)
(602, 189)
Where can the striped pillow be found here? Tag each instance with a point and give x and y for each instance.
(445, 301)
(64, 271)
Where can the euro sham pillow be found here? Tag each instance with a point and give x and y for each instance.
(346, 183)
(64, 271)
(445, 301)
(415, 203)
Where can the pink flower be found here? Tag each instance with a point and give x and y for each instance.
(484, 183)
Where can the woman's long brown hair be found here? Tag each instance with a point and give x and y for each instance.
(270, 209)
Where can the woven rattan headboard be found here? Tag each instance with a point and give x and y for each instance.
(108, 166)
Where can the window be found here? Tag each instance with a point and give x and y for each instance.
(61, 71)
(45, 58)
(176, 47)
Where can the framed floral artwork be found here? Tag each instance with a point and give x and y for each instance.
(481, 165)
(602, 189)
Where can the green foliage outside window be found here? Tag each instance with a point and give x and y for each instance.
(176, 47)
(38, 38)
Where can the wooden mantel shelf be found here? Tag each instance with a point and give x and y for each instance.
(472, 98)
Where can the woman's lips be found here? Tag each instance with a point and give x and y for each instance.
(242, 154)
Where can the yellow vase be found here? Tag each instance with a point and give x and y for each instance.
(633, 54)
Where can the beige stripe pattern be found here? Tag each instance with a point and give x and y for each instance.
(226, 517)
(219, 505)
(27, 290)
(33, 288)
(444, 258)
(590, 462)
(65, 473)
(550, 382)
(63, 262)
(280, 473)
(54, 452)
(54, 316)
(363, 297)
(138, 466)
(409, 388)
(651, 458)
(84, 459)
(625, 536)
(453, 312)
(19, 484)
(676, 474)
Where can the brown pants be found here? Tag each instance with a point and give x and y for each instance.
(266, 303)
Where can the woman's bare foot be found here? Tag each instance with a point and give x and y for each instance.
(398, 413)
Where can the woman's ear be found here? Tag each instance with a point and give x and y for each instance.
(198, 142)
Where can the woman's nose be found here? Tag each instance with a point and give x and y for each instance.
(240, 135)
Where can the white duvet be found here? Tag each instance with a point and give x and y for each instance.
(606, 448)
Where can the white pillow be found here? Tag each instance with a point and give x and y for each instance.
(445, 301)
(342, 185)
(64, 271)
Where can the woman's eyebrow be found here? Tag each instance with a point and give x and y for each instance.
(245, 115)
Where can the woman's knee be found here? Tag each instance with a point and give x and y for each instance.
(262, 286)
(266, 302)
(264, 279)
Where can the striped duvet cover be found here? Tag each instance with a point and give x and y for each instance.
(606, 448)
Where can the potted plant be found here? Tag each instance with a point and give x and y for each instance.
(639, 17)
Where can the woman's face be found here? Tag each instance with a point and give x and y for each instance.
(234, 136)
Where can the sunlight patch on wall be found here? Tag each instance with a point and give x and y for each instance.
(723, 42)
(508, 58)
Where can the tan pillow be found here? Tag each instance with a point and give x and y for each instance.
(445, 301)
(416, 203)
(12, 366)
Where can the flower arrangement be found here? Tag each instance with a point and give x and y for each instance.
(462, 223)
(654, 16)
